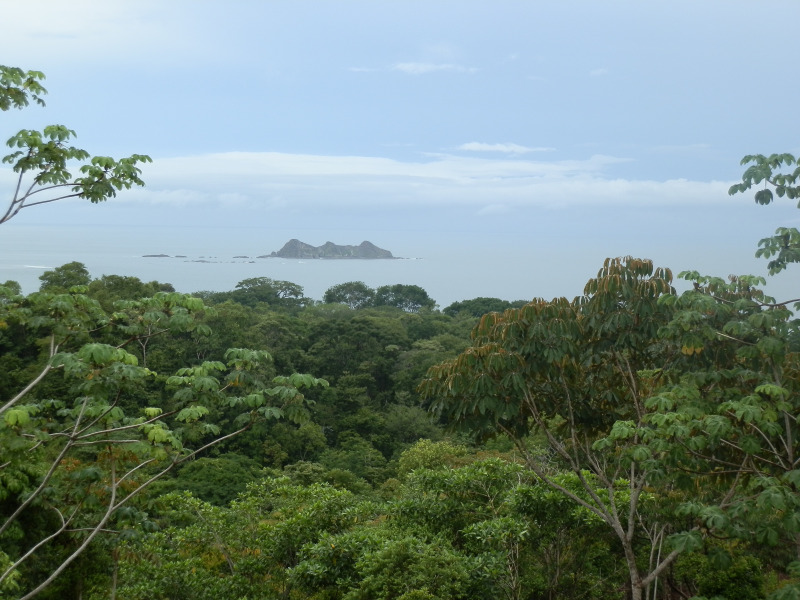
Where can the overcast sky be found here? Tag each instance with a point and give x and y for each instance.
(607, 127)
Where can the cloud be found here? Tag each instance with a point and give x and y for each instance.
(507, 148)
(307, 188)
(307, 183)
(600, 72)
(420, 68)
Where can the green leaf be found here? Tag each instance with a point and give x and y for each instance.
(192, 413)
(688, 541)
(17, 417)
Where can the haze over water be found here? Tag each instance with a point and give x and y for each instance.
(508, 261)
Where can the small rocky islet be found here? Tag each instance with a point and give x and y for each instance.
(294, 248)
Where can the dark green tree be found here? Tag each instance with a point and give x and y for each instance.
(410, 298)
(64, 277)
(275, 293)
(477, 307)
(108, 289)
(355, 294)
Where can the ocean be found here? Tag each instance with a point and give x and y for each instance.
(546, 258)
(212, 259)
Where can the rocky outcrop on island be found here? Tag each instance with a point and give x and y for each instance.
(297, 249)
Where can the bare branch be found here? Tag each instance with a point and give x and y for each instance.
(36, 380)
(53, 466)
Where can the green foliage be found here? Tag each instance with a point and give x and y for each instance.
(65, 277)
(717, 574)
(410, 298)
(410, 568)
(357, 455)
(18, 87)
(108, 289)
(217, 481)
(85, 457)
(426, 454)
(408, 424)
(355, 294)
(575, 373)
(784, 247)
(45, 156)
(329, 566)
(42, 158)
(477, 307)
(533, 361)
(277, 294)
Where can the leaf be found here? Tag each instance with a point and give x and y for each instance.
(687, 541)
(270, 412)
(17, 417)
(766, 534)
(192, 413)
(771, 499)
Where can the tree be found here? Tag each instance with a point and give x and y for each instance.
(409, 298)
(355, 294)
(477, 307)
(576, 373)
(108, 289)
(725, 417)
(274, 292)
(64, 277)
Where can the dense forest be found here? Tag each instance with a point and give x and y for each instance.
(632, 442)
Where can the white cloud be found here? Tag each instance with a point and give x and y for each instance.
(600, 72)
(301, 182)
(507, 148)
(304, 185)
(421, 68)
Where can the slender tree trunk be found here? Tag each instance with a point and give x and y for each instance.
(115, 556)
(633, 570)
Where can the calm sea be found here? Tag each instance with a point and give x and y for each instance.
(211, 259)
(449, 265)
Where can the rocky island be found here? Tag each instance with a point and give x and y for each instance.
(297, 249)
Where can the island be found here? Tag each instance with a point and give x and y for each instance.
(296, 249)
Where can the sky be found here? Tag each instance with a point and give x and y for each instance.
(568, 131)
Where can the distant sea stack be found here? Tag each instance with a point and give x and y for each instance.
(298, 249)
